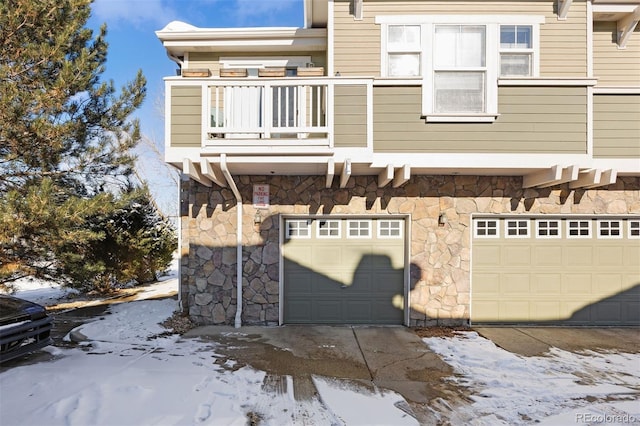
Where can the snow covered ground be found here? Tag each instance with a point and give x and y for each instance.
(130, 372)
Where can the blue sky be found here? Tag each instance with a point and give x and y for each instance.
(133, 45)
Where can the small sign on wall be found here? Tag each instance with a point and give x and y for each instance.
(261, 196)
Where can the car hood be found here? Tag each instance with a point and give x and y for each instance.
(13, 309)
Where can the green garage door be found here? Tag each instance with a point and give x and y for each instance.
(343, 271)
(556, 270)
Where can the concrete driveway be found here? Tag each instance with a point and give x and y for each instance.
(393, 358)
(533, 341)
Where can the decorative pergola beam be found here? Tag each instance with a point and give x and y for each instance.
(213, 172)
(346, 173)
(587, 179)
(331, 172)
(191, 170)
(402, 176)
(607, 177)
(555, 175)
(563, 8)
(626, 27)
(385, 176)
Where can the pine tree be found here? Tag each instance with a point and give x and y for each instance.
(65, 135)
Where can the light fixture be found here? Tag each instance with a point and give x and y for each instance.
(442, 219)
(257, 219)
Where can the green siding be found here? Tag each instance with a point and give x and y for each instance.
(616, 126)
(186, 116)
(532, 120)
(350, 116)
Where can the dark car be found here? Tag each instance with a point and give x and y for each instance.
(24, 327)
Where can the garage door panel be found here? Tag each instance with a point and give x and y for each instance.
(298, 310)
(329, 311)
(578, 256)
(576, 284)
(575, 281)
(517, 256)
(610, 256)
(324, 256)
(486, 284)
(546, 310)
(547, 255)
(515, 310)
(486, 255)
(358, 310)
(515, 283)
(546, 284)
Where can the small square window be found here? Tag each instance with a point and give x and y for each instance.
(548, 228)
(609, 229)
(390, 228)
(358, 229)
(634, 228)
(516, 50)
(517, 228)
(298, 229)
(486, 228)
(579, 228)
(328, 228)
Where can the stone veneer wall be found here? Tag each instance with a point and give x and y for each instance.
(440, 282)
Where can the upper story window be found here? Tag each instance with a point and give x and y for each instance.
(460, 58)
(403, 50)
(459, 69)
(516, 50)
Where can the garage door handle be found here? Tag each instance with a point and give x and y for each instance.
(343, 286)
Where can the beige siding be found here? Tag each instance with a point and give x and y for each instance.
(563, 43)
(350, 116)
(186, 113)
(212, 60)
(616, 126)
(611, 65)
(532, 120)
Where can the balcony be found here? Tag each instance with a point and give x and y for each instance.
(280, 111)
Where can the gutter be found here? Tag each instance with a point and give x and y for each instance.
(234, 189)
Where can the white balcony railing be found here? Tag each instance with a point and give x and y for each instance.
(267, 109)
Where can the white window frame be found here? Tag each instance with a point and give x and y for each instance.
(527, 227)
(388, 228)
(408, 50)
(260, 62)
(476, 227)
(492, 60)
(290, 235)
(631, 229)
(548, 227)
(531, 52)
(332, 227)
(604, 225)
(358, 222)
(589, 228)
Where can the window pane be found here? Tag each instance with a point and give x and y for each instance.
(515, 64)
(515, 37)
(404, 64)
(403, 38)
(459, 92)
(459, 46)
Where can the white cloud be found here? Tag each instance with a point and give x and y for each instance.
(133, 12)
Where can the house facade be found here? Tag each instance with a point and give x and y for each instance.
(411, 162)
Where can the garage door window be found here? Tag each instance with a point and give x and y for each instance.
(328, 228)
(579, 229)
(634, 229)
(486, 228)
(517, 228)
(358, 229)
(547, 228)
(390, 229)
(298, 229)
(609, 229)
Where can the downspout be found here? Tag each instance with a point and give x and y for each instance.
(234, 189)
